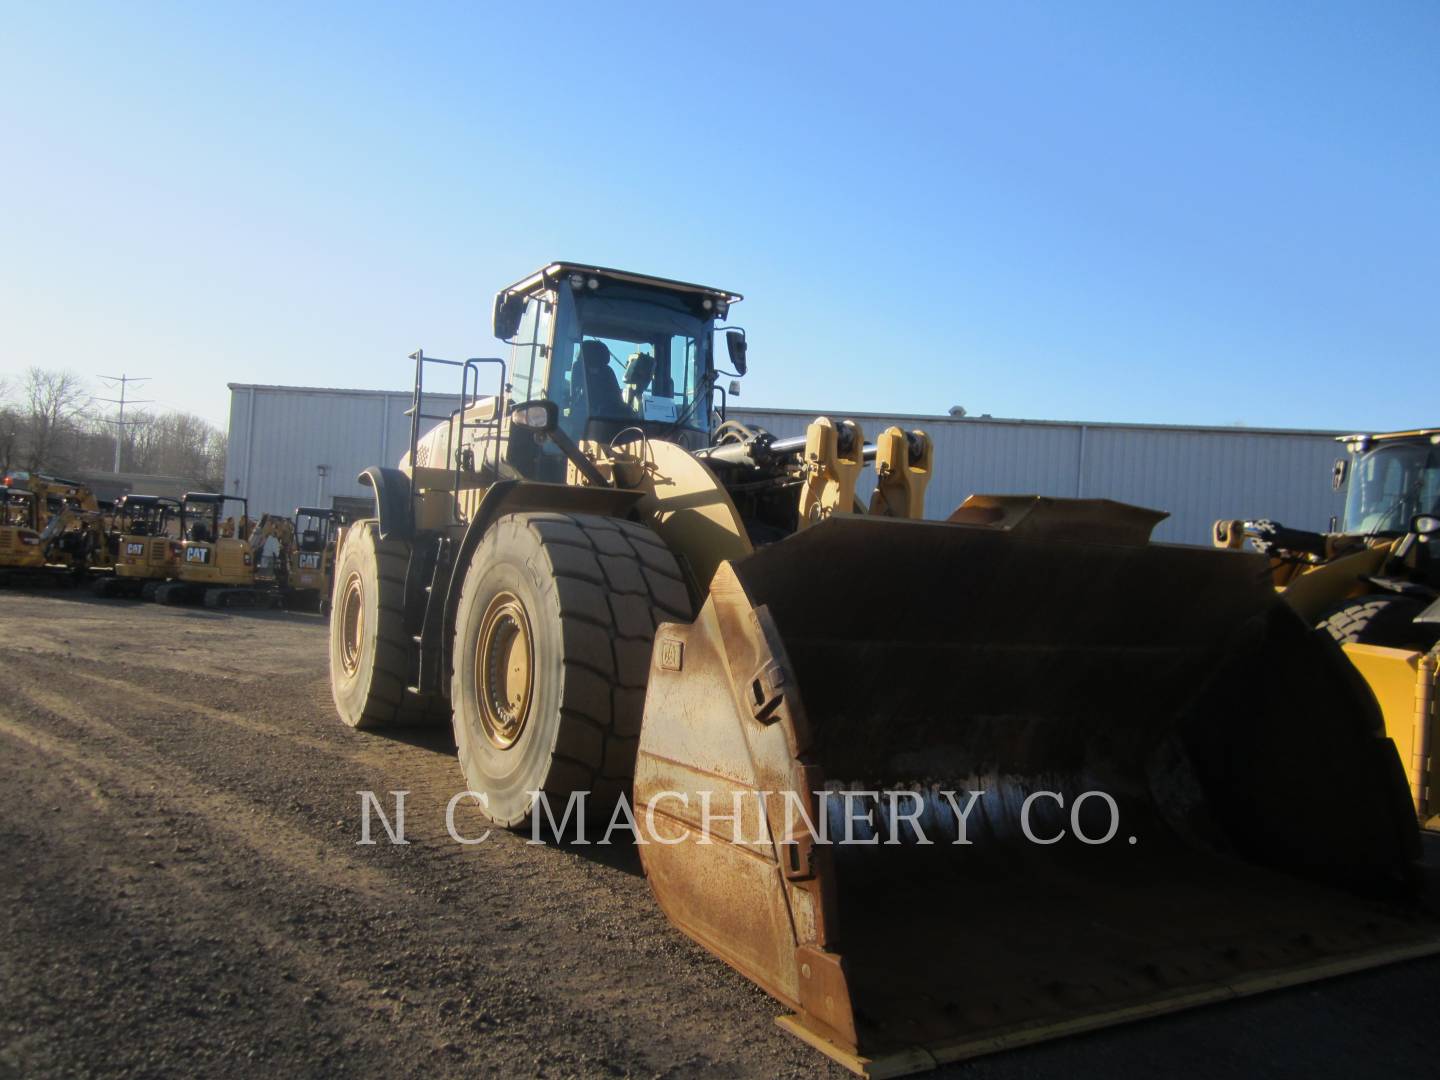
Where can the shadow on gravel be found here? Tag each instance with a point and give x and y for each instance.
(620, 854)
(438, 740)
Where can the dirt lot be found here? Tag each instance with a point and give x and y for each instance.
(184, 896)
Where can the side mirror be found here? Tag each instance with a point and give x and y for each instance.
(541, 417)
(505, 317)
(735, 346)
(1425, 525)
(1337, 476)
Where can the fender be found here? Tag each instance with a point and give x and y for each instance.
(517, 496)
(392, 501)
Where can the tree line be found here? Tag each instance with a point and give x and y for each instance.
(50, 423)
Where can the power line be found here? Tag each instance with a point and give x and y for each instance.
(119, 421)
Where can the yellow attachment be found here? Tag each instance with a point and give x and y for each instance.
(830, 475)
(900, 482)
(1316, 591)
(1403, 682)
(684, 501)
(1228, 533)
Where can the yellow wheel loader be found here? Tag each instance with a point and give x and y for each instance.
(1373, 584)
(145, 546)
(939, 787)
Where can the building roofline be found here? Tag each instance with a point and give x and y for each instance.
(1010, 420)
(928, 418)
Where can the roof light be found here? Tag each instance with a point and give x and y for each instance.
(577, 281)
(592, 283)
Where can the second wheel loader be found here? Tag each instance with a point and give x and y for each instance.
(620, 600)
(1373, 584)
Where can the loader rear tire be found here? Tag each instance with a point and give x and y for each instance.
(1382, 619)
(552, 645)
(369, 646)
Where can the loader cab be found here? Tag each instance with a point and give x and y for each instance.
(1391, 479)
(617, 353)
(213, 548)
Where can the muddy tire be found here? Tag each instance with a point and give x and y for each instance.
(1383, 619)
(149, 589)
(369, 646)
(551, 655)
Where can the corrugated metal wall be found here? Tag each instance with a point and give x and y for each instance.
(281, 436)
(1197, 474)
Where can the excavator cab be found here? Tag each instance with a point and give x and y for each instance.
(145, 545)
(20, 544)
(210, 552)
(312, 556)
(215, 560)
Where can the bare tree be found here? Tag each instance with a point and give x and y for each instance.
(10, 424)
(44, 427)
(51, 402)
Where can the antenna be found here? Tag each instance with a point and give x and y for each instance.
(119, 421)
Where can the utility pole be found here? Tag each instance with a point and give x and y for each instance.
(119, 421)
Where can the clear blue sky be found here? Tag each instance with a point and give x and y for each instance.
(1202, 213)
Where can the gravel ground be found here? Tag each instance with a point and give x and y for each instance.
(184, 896)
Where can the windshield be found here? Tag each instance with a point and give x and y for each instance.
(1389, 486)
(16, 510)
(630, 360)
(146, 519)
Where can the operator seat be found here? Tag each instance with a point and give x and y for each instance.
(593, 383)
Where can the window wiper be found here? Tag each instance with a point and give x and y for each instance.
(702, 393)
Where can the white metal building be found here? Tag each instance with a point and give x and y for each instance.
(304, 445)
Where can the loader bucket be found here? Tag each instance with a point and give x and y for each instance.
(880, 673)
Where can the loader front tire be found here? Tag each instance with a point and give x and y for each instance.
(1383, 619)
(553, 634)
(369, 646)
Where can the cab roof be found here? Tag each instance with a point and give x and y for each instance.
(1361, 441)
(211, 497)
(549, 275)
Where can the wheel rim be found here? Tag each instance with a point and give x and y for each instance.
(352, 625)
(504, 670)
